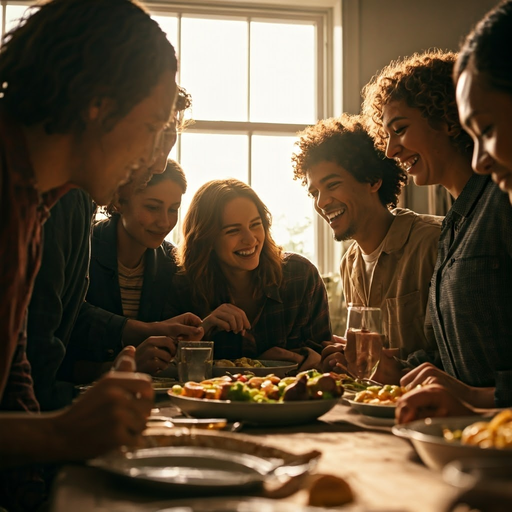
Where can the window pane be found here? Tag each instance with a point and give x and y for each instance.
(213, 62)
(13, 13)
(291, 208)
(283, 73)
(169, 24)
(206, 157)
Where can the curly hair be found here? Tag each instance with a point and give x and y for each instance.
(71, 52)
(488, 47)
(345, 141)
(201, 229)
(423, 81)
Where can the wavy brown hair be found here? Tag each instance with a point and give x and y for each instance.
(423, 81)
(345, 141)
(69, 53)
(202, 227)
(489, 48)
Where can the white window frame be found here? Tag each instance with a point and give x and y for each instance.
(323, 15)
(326, 14)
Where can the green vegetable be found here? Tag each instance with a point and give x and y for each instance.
(239, 393)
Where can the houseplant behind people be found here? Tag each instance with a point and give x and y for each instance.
(71, 87)
(255, 300)
(132, 265)
(390, 263)
(412, 114)
(483, 78)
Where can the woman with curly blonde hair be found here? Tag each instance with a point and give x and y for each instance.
(412, 114)
(255, 299)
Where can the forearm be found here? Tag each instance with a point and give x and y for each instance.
(135, 332)
(481, 398)
(27, 439)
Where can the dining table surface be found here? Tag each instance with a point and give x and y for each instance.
(383, 471)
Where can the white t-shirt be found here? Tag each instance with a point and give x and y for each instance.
(370, 262)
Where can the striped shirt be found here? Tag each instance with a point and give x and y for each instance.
(130, 285)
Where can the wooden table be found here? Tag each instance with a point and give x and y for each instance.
(383, 470)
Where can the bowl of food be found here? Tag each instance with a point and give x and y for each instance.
(377, 401)
(439, 441)
(267, 400)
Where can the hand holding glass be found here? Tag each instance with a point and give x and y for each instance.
(195, 360)
(364, 341)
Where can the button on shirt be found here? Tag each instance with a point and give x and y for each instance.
(471, 290)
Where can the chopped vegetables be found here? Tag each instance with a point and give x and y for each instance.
(309, 385)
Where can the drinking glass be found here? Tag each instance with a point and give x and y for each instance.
(195, 360)
(364, 340)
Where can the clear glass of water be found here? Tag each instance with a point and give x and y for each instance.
(195, 360)
(364, 340)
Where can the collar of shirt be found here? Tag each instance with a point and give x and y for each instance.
(464, 204)
(17, 158)
(399, 231)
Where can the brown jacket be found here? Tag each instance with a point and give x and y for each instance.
(401, 278)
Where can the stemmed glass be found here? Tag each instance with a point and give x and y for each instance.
(364, 340)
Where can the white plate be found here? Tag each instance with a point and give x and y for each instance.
(281, 413)
(375, 410)
(427, 438)
(188, 468)
(278, 368)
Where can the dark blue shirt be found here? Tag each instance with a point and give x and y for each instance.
(471, 290)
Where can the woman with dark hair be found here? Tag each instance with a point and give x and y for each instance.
(483, 79)
(255, 300)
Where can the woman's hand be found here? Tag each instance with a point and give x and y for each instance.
(227, 317)
(154, 354)
(182, 327)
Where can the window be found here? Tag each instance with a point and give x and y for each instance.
(257, 75)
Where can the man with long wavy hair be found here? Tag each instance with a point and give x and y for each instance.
(88, 87)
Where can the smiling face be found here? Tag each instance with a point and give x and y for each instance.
(240, 242)
(342, 201)
(485, 114)
(149, 215)
(107, 158)
(423, 151)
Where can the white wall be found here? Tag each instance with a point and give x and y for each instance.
(378, 31)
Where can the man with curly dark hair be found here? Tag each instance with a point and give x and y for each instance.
(389, 264)
(87, 87)
(412, 114)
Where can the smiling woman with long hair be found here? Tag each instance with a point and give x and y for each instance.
(412, 113)
(255, 299)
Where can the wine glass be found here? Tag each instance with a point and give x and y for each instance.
(364, 340)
